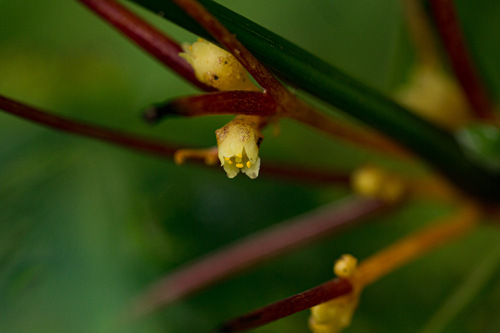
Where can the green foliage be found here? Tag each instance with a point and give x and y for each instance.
(85, 227)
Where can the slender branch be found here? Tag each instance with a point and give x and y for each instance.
(152, 40)
(256, 248)
(220, 103)
(417, 244)
(267, 81)
(288, 306)
(93, 131)
(448, 25)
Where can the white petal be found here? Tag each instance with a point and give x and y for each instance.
(253, 171)
(231, 170)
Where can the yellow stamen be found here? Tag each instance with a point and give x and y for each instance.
(239, 165)
(249, 164)
(238, 159)
(240, 155)
(226, 159)
(229, 162)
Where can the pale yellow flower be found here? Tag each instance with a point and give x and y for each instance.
(216, 67)
(238, 144)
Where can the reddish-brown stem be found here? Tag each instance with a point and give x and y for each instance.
(220, 103)
(266, 80)
(158, 148)
(146, 36)
(92, 131)
(451, 35)
(303, 301)
(256, 248)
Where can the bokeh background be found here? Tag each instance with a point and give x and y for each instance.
(86, 226)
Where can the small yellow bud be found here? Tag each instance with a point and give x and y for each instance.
(216, 67)
(345, 266)
(335, 315)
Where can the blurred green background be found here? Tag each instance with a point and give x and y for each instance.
(85, 226)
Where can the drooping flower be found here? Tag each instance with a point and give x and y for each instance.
(216, 67)
(238, 144)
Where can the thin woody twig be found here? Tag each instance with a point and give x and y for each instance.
(220, 103)
(93, 131)
(448, 25)
(152, 40)
(288, 306)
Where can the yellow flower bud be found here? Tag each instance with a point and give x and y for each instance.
(216, 67)
(238, 144)
(345, 266)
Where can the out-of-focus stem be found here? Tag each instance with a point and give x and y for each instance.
(256, 248)
(153, 41)
(417, 244)
(447, 23)
(88, 130)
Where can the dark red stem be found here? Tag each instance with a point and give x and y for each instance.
(146, 36)
(92, 131)
(256, 248)
(303, 301)
(220, 103)
(446, 19)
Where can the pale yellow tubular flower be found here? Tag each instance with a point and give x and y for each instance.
(374, 182)
(434, 96)
(335, 315)
(216, 67)
(238, 143)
